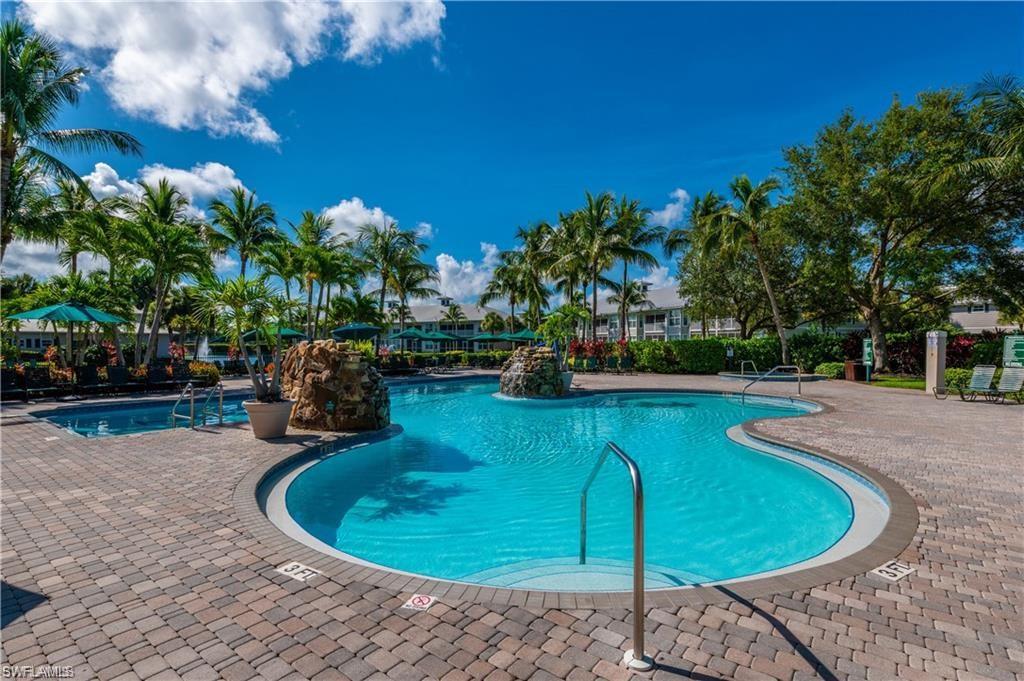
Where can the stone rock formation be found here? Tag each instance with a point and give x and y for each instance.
(532, 372)
(334, 387)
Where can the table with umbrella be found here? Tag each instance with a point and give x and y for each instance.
(70, 313)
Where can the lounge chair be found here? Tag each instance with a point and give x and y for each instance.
(120, 381)
(157, 378)
(591, 364)
(981, 384)
(611, 365)
(10, 385)
(1011, 383)
(39, 382)
(87, 380)
(627, 365)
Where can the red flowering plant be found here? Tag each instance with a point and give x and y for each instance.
(52, 355)
(233, 353)
(111, 352)
(575, 347)
(177, 352)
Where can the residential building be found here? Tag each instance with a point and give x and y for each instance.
(977, 315)
(662, 318)
(430, 317)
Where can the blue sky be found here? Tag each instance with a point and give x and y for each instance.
(480, 117)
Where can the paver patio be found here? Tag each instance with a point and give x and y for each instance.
(128, 558)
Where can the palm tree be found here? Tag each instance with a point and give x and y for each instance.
(243, 225)
(536, 262)
(27, 205)
(506, 283)
(36, 85)
(355, 307)
(278, 259)
(334, 266)
(629, 296)
(313, 238)
(162, 234)
(634, 237)
(383, 249)
(690, 237)
(492, 323)
(74, 210)
(739, 226)
(598, 243)
(412, 279)
(569, 269)
(454, 315)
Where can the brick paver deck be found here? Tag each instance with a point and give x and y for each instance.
(128, 558)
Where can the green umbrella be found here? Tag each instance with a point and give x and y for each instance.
(440, 336)
(524, 335)
(410, 334)
(486, 337)
(271, 332)
(70, 312)
(357, 331)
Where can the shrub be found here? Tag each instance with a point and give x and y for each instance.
(986, 352)
(765, 352)
(834, 370)
(94, 356)
(693, 356)
(365, 348)
(205, 371)
(811, 348)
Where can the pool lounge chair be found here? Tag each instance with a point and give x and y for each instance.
(38, 382)
(120, 381)
(981, 384)
(87, 381)
(627, 365)
(1011, 383)
(611, 365)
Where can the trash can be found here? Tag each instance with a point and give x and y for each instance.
(855, 371)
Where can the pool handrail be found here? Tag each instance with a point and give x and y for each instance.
(634, 658)
(190, 391)
(219, 390)
(799, 372)
(743, 366)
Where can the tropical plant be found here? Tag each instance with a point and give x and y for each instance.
(741, 226)
(37, 84)
(162, 233)
(534, 265)
(559, 328)
(412, 279)
(598, 245)
(454, 315)
(278, 259)
(506, 284)
(385, 248)
(242, 225)
(313, 239)
(635, 236)
(492, 323)
(355, 307)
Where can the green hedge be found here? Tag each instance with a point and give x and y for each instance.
(832, 370)
(961, 378)
(694, 356)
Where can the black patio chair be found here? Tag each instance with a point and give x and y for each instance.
(157, 378)
(120, 380)
(38, 382)
(11, 387)
(181, 375)
(87, 381)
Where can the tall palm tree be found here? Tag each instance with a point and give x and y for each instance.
(412, 279)
(454, 315)
(243, 225)
(635, 236)
(27, 205)
(383, 249)
(313, 239)
(278, 259)
(37, 83)
(104, 235)
(162, 234)
(741, 225)
(74, 211)
(492, 323)
(628, 296)
(598, 243)
(335, 266)
(355, 307)
(536, 262)
(690, 237)
(506, 283)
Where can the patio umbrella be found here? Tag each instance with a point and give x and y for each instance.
(440, 336)
(486, 337)
(70, 313)
(523, 336)
(410, 334)
(271, 332)
(357, 331)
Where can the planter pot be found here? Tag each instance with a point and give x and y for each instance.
(567, 381)
(269, 419)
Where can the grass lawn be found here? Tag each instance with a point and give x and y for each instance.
(908, 382)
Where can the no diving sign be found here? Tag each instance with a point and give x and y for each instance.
(419, 602)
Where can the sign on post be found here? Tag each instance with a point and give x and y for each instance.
(869, 357)
(1013, 351)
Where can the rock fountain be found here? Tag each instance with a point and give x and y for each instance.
(532, 372)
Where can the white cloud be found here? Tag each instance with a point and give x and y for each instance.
(350, 214)
(40, 260)
(224, 263)
(105, 182)
(659, 277)
(198, 65)
(673, 211)
(425, 231)
(465, 280)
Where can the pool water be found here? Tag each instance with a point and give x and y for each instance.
(125, 419)
(486, 489)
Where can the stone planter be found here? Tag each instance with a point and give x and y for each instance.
(567, 380)
(269, 420)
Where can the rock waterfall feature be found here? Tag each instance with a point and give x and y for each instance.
(334, 387)
(532, 372)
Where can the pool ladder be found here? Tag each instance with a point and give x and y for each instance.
(634, 658)
(190, 393)
(799, 372)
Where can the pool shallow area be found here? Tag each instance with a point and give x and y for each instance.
(485, 490)
(129, 418)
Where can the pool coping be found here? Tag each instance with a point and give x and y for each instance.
(894, 538)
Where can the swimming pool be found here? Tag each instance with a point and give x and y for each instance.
(482, 489)
(126, 418)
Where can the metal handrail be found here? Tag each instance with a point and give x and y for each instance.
(744, 363)
(635, 658)
(219, 389)
(190, 391)
(799, 385)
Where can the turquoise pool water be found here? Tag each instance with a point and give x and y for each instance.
(483, 489)
(124, 419)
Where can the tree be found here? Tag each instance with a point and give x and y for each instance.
(534, 264)
(278, 259)
(243, 225)
(697, 272)
(385, 248)
(569, 269)
(559, 327)
(866, 195)
(355, 308)
(162, 234)
(492, 323)
(743, 225)
(629, 296)
(412, 279)
(28, 205)
(454, 315)
(506, 284)
(313, 239)
(598, 243)
(37, 84)
(635, 236)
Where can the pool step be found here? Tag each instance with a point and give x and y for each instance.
(566, 574)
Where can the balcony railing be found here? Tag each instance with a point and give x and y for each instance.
(655, 327)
